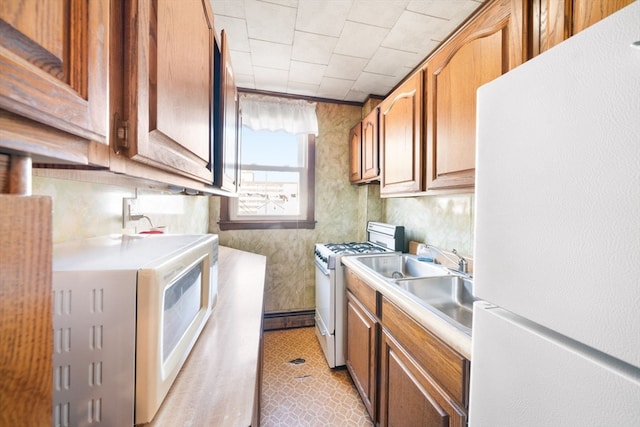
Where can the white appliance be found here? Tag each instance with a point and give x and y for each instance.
(557, 244)
(331, 301)
(126, 312)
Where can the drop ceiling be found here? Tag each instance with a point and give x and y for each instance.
(342, 50)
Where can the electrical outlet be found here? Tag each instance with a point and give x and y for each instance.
(130, 212)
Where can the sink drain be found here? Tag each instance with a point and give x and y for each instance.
(397, 275)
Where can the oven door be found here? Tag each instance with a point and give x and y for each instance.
(325, 299)
(325, 313)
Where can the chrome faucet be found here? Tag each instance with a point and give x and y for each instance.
(462, 263)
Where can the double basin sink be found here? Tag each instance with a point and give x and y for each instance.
(447, 294)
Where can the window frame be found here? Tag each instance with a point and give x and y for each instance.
(226, 223)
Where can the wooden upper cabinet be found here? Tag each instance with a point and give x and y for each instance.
(370, 147)
(168, 86)
(553, 21)
(355, 153)
(54, 85)
(228, 125)
(363, 150)
(488, 46)
(401, 139)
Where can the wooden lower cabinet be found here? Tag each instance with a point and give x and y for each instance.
(361, 358)
(363, 330)
(409, 397)
(405, 375)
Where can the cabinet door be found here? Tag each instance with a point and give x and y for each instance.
(553, 21)
(489, 46)
(26, 312)
(227, 146)
(54, 67)
(369, 157)
(401, 139)
(408, 396)
(169, 86)
(355, 153)
(361, 352)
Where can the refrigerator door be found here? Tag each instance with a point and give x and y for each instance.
(557, 202)
(524, 376)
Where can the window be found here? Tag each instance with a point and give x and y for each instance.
(277, 174)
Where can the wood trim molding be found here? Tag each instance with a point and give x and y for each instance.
(226, 223)
(288, 320)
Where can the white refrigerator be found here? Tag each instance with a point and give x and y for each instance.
(556, 341)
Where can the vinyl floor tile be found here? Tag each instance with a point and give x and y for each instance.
(300, 390)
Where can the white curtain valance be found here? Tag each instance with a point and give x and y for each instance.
(296, 116)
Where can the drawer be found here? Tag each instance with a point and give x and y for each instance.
(363, 292)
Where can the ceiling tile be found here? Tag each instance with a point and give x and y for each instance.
(271, 80)
(232, 8)
(446, 9)
(356, 96)
(245, 81)
(381, 13)
(392, 62)
(303, 72)
(336, 49)
(270, 55)
(334, 88)
(270, 22)
(414, 32)
(374, 84)
(241, 62)
(305, 89)
(315, 48)
(345, 67)
(360, 40)
(288, 3)
(236, 30)
(322, 17)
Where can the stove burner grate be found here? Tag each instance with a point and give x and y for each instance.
(353, 248)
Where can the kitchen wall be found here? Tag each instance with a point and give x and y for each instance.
(442, 221)
(82, 209)
(340, 213)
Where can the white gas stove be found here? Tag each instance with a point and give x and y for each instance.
(330, 284)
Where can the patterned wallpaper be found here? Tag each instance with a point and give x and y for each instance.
(82, 209)
(340, 216)
(442, 221)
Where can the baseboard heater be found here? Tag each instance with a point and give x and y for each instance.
(288, 320)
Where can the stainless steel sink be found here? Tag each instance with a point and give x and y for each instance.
(400, 266)
(451, 296)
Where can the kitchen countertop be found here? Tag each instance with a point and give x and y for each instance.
(217, 384)
(448, 333)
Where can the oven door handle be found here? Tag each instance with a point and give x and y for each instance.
(321, 327)
(322, 268)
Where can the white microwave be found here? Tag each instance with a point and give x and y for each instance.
(127, 310)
